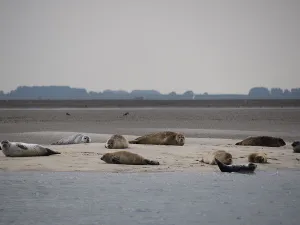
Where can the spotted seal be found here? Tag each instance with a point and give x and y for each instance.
(161, 138)
(223, 156)
(257, 157)
(20, 149)
(117, 141)
(250, 168)
(74, 139)
(296, 146)
(265, 141)
(125, 157)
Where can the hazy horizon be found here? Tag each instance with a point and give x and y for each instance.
(211, 46)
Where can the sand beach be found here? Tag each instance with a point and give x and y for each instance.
(206, 129)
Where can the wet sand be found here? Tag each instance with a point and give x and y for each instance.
(149, 103)
(206, 129)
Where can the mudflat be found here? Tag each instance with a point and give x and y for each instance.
(206, 129)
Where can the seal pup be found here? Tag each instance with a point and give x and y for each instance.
(20, 149)
(257, 157)
(73, 139)
(128, 158)
(161, 138)
(296, 146)
(236, 168)
(222, 155)
(117, 142)
(265, 141)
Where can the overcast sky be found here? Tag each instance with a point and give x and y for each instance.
(214, 46)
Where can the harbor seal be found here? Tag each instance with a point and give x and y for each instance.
(20, 149)
(222, 155)
(296, 146)
(265, 141)
(117, 142)
(236, 168)
(161, 138)
(257, 157)
(73, 139)
(128, 158)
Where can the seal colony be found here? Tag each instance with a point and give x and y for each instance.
(221, 158)
(20, 149)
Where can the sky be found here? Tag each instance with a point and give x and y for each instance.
(213, 46)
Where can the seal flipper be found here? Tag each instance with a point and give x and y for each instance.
(115, 160)
(223, 167)
(51, 152)
(133, 142)
(21, 146)
(151, 162)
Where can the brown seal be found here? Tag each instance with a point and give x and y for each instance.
(161, 138)
(125, 157)
(265, 141)
(257, 157)
(221, 155)
(116, 141)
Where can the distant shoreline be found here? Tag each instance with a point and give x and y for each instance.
(148, 103)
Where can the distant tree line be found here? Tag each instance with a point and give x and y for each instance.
(66, 92)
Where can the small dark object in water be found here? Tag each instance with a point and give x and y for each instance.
(68, 114)
(125, 114)
(236, 168)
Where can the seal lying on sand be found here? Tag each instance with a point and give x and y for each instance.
(296, 146)
(236, 168)
(222, 155)
(124, 157)
(19, 149)
(161, 138)
(257, 157)
(265, 141)
(117, 142)
(73, 139)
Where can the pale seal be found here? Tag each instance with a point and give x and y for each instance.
(236, 168)
(161, 138)
(125, 157)
(223, 156)
(296, 146)
(265, 141)
(257, 157)
(73, 139)
(20, 149)
(117, 142)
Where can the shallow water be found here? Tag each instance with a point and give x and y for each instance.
(149, 198)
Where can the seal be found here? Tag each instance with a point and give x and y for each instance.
(161, 138)
(257, 157)
(222, 155)
(265, 141)
(117, 142)
(296, 146)
(236, 168)
(20, 149)
(73, 139)
(128, 158)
